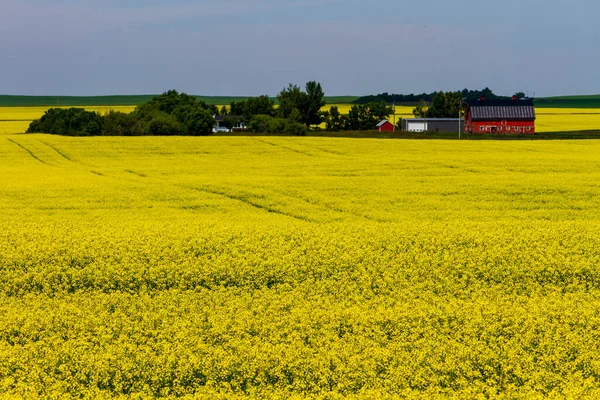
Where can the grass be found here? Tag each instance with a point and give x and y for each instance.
(586, 101)
(125, 100)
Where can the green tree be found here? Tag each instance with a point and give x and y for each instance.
(315, 100)
(258, 105)
(259, 123)
(307, 103)
(290, 98)
(445, 105)
(334, 119)
(420, 111)
(71, 121)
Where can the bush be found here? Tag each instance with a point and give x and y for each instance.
(295, 128)
(119, 124)
(171, 113)
(164, 124)
(277, 125)
(71, 122)
(259, 123)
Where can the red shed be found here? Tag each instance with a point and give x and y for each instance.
(385, 126)
(500, 116)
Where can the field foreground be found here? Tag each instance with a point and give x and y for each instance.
(298, 267)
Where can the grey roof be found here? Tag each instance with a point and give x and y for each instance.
(515, 113)
(382, 123)
(220, 118)
(514, 110)
(432, 119)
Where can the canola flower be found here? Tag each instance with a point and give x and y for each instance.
(239, 267)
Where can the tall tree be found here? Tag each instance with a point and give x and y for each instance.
(304, 106)
(445, 105)
(420, 111)
(315, 100)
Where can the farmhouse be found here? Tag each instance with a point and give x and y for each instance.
(511, 116)
(385, 126)
(221, 124)
(432, 124)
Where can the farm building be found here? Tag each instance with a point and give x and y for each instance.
(222, 126)
(385, 126)
(512, 116)
(432, 124)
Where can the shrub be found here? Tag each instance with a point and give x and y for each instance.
(295, 128)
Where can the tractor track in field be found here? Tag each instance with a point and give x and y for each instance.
(285, 147)
(248, 202)
(31, 153)
(327, 206)
(63, 155)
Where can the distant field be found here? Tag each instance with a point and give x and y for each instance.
(592, 101)
(9, 127)
(31, 113)
(129, 100)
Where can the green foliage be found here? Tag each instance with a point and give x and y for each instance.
(268, 124)
(362, 116)
(445, 105)
(333, 119)
(126, 100)
(261, 105)
(164, 124)
(171, 113)
(70, 122)
(259, 123)
(420, 111)
(119, 124)
(290, 98)
(304, 107)
(294, 128)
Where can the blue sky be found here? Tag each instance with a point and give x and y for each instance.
(243, 47)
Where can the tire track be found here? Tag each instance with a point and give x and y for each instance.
(329, 207)
(249, 202)
(63, 155)
(285, 147)
(28, 151)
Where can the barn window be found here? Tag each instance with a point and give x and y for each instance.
(481, 128)
(528, 128)
(499, 128)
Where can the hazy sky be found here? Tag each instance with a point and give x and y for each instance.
(251, 47)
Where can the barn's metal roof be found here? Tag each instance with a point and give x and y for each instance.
(382, 123)
(514, 110)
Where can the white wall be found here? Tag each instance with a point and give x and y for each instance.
(416, 126)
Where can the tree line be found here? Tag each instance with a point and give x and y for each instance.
(392, 98)
(171, 113)
(298, 110)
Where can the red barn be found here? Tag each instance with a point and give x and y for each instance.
(500, 116)
(385, 126)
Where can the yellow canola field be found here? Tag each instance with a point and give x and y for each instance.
(547, 122)
(31, 113)
(278, 267)
(10, 127)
